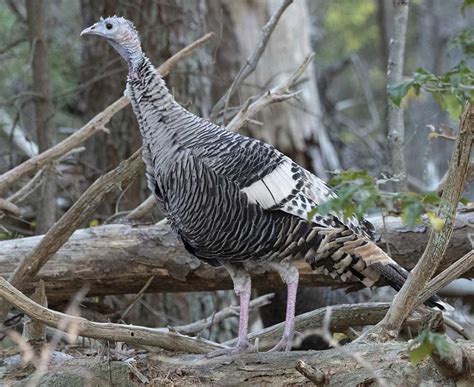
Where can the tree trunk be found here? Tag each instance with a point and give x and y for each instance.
(396, 125)
(289, 126)
(45, 130)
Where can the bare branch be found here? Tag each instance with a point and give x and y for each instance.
(230, 311)
(314, 375)
(342, 318)
(454, 271)
(406, 299)
(137, 297)
(142, 210)
(106, 331)
(277, 94)
(252, 61)
(27, 189)
(6, 206)
(14, 8)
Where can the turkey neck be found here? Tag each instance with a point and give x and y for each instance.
(162, 121)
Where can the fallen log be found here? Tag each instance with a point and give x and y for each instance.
(389, 361)
(333, 368)
(119, 259)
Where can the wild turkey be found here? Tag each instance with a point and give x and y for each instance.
(236, 201)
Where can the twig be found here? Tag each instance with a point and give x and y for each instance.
(447, 276)
(95, 125)
(142, 210)
(277, 94)
(106, 331)
(252, 61)
(27, 189)
(6, 206)
(230, 311)
(14, 8)
(314, 375)
(406, 299)
(137, 297)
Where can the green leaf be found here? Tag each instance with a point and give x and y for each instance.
(420, 352)
(411, 213)
(442, 344)
(397, 92)
(431, 198)
(467, 4)
(426, 343)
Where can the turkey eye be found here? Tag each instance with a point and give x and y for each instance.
(108, 26)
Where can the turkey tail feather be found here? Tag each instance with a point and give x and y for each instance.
(395, 276)
(356, 257)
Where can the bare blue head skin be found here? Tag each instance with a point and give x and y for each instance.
(122, 36)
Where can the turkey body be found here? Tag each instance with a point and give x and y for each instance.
(234, 198)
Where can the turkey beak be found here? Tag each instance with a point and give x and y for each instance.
(92, 30)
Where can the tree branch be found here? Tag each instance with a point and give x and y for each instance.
(277, 94)
(342, 317)
(456, 270)
(252, 61)
(406, 299)
(162, 337)
(215, 318)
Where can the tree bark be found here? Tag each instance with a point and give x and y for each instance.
(389, 361)
(119, 259)
(396, 126)
(45, 130)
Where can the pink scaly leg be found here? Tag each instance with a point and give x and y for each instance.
(243, 288)
(290, 276)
